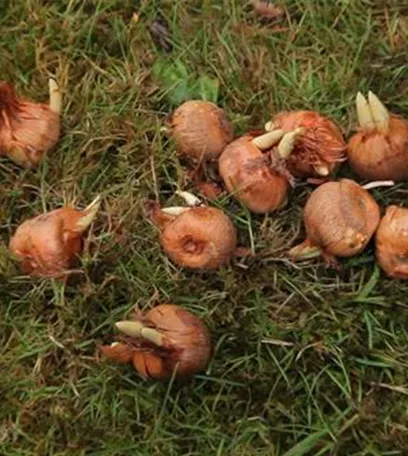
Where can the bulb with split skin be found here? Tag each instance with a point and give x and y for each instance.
(200, 129)
(391, 242)
(166, 341)
(47, 245)
(340, 218)
(379, 149)
(254, 169)
(28, 130)
(318, 150)
(198, 237)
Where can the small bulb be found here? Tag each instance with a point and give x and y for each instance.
(200, 129)
(28, 130)
(47, 245)
(168, 340)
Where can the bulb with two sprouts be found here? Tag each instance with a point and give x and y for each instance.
(195, 237)
(254, 169)
(379, 150)
(167, 340)
(28, 130)
(47, 245)
(320, 147)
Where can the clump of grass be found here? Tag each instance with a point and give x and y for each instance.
(307, 360)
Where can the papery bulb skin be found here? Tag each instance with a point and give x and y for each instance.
(168, 340)
(379, 149)
(391, 243)
(200, 238)
(28, 130)
(200, 129)
(121, 353)
(319, 149)
(47, 245)
(380, 155)
(340, 219)
(248, 176)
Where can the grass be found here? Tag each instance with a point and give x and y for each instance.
(308, 361)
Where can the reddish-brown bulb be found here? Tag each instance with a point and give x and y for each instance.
(198, 237)
(379, 149)
(254, 170)
(320, 147)
(200, 129)
(392, 242)
(168, 340)
(28, 130)
(340, 218)
(47, 245)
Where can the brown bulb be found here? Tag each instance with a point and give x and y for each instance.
(46, 245)
(28, 130)
(379, 150)
(200, 130)
(320, 147)
(168, 340)
(254, 171)
(340, 219)
(391, 242)
(196, 237)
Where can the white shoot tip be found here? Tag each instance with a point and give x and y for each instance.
(379, 112)
(364, 115)
(152, 335)
(189, 198)
(129, 328)
(322, 170)
(55, 96)
(285, 147)
(137, 329)
(266, 141)
(375, 184)
(89, 214)
(174, 210)
(269, 126)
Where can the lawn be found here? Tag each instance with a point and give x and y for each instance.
(308, 360)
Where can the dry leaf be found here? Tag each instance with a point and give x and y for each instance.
(267, 10)
(161, 35)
